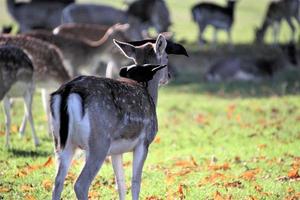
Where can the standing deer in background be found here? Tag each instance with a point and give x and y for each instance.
(109, 117)
(16, 80)
(45, 14)
(88, 54)
(140, 15)
(276, 13)
(49, 69)
(219, 17)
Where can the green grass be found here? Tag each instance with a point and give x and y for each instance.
(233, 126)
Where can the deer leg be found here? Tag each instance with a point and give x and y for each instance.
(24, 122)
(139, 157)
(64, 159)
(6, 106)
(94, 160)
(229, 37)
(201, 33)
(291, 25)
(28, 109)
(117, 161)
(111, 69)
(45, 101)
(215, 37)
(276, 27)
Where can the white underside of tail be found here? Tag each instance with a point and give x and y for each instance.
(79, 127)
(55, 117)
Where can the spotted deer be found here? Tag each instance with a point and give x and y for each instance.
(44, 14)
(16, 80)
(86, 55)
(48, 67)
(110, 117)
(205, 14)
(278, 11)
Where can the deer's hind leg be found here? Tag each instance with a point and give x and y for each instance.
(95, 156)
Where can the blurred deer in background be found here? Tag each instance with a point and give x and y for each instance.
(253, 68)
(110, 117)
(277, 12)
(16, 80)
(205, 14)
(41, 14)
(48, 67)
(86, 55)
(140, 15)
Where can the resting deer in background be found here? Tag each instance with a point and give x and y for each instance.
(44, 14)
(277, 12)
(49, 69)
(110, 117)
(16, 80)
(205, 14)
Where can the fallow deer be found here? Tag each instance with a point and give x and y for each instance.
(277, 12)
(37, 14)
(109, 117)
(153, 13)
(88, 54)
(253, 68)
(205, 14)
(49, 69)
(16, 80)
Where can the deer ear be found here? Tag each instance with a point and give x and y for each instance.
(127, 49)
(175, 48)
(160, 44)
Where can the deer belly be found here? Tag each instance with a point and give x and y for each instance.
(122, 145)
(18, 89)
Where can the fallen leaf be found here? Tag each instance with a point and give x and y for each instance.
(293, 174)
(252, 198)
(235, 184)
(47, 184)
(230, 111)
(180, 192)
(14, 128)
(157, 140)
(27, 188)
(153, 198)
(218, 196)
(29, 197)
(49, 162)
(250, 174)
(214, 167)
(4, 189)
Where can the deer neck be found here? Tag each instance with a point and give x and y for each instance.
(152, 88)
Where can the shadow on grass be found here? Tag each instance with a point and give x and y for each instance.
(29, 153)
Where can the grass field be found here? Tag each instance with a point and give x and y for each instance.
(216, 141)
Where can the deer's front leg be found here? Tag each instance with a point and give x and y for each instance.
(139, 157)
(117, 161)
